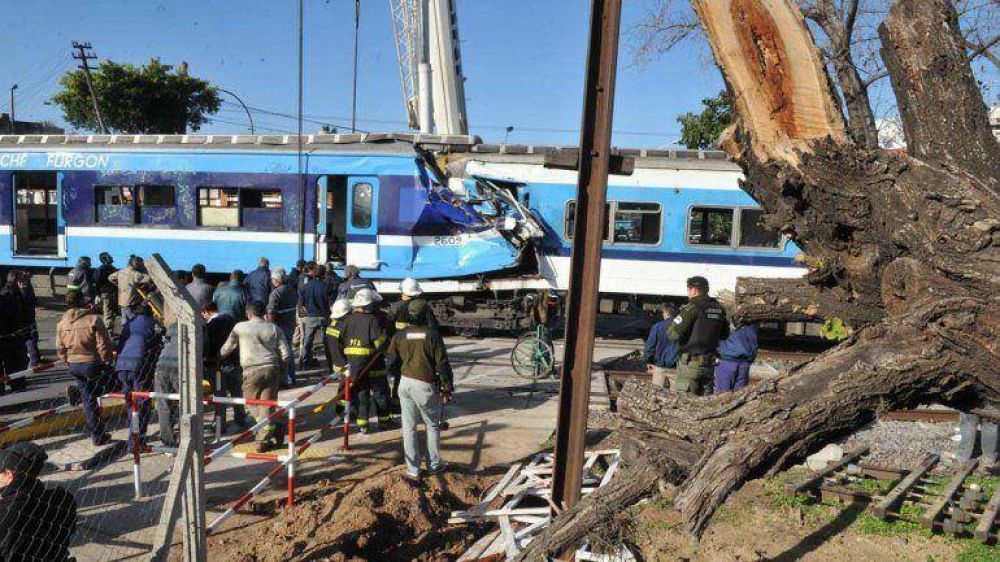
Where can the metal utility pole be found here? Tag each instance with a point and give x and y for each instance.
(354, 89)
(84, 53)
(13, 119)
(298, 137)
(585, 268)
(245, 108)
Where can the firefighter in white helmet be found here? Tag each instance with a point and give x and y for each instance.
(410, 292)
(362, 338)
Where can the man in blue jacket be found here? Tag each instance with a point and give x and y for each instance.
(736, 354)
(314, 305)
(137, 347)
(231, 298)
(258, 282)
(661, 351)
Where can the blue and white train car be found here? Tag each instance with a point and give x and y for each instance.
(222, 201)
(678, 214)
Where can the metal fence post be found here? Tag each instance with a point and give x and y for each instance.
(186, 493)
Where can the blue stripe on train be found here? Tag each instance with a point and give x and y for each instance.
(686, 257)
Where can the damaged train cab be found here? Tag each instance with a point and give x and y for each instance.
(374, 201)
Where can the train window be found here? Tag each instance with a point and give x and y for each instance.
(219, 206)
(361, 205)
(710, 226)
(260, 209)
(571, 219)
(637, 223)
(115, 204)
(156, 196)
(752, 234)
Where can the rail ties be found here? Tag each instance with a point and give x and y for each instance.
(813, 482)
(948, 493)
(882, 510)
(982, 532)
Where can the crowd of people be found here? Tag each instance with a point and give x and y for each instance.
(261, 329)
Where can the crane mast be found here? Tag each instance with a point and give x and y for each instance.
(430, 65)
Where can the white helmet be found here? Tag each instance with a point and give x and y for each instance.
(365, 297)
(410, 287)
(340, 309)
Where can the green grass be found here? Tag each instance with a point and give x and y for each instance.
(868, 524)
(872, 485)
(813, 512)
(979, 552)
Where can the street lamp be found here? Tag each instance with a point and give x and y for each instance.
(507, 131)
(245, 108)
(13, 128)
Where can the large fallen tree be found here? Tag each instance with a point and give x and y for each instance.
(904, 247)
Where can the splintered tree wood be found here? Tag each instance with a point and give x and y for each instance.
(775, 73)
(904, 246)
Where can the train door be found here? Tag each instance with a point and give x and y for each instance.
(362, 225)
(331, 223)
(37, 220)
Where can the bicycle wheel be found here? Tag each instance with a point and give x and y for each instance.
(532, 358)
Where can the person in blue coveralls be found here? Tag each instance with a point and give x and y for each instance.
(736, 354)
(661, 351)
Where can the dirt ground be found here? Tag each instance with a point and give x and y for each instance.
(387, 517)
(762, 523)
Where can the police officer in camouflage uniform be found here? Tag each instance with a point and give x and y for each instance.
(698, 327)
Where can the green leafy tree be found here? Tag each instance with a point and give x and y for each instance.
(154, 98)
(702, 130)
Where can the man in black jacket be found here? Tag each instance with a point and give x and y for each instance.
(107, 292)
(14, 331)
(229, 381)
(36, 522)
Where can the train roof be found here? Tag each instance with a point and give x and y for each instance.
(402, 143)
(461, 147)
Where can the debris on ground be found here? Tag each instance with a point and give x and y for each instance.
(387, 517)
(520, 505)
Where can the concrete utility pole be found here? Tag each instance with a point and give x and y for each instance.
(354, 88)
(84, 53)
(13, 126)
(585, 267)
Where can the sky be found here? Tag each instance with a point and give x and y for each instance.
(523, 62)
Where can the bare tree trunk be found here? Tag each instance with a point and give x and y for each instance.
(904, 246)
(860, 119)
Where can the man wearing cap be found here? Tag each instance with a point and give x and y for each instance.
(697, 328)
(281, 308)
(417, 356)
(352, 283)
(36, 522)
(362, 339)
(314, 304)
(82, 279)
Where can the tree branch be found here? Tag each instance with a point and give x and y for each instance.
(852, 16)
(944, 117)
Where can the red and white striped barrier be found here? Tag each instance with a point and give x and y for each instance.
(38, 417)
(41, 368)
(287, 461)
